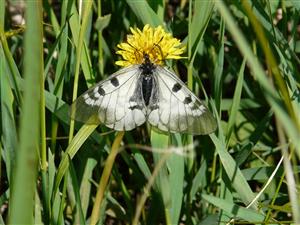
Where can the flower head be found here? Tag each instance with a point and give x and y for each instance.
(155, 42)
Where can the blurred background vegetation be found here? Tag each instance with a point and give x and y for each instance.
(242, 58)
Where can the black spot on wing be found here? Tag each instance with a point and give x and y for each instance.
(196, 105)
(101, 91)
(176, 87)
(153, 107)
(93, 97)
(114, 81)
(187, 100)
(140, 107)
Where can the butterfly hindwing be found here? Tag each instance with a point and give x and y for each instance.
(176, 108)
(114, 102)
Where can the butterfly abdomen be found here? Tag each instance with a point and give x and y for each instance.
(147, 86)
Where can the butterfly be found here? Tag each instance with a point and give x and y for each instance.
(140, 93)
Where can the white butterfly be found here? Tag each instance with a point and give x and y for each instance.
(140, 93)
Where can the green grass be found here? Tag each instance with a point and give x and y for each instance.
(241, 59)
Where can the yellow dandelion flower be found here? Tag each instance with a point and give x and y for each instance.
(155, 42)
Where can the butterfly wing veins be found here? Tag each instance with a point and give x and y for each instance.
(111, 102)
(177, 109)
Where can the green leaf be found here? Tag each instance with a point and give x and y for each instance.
(144, 12)
(72, 149)
(234, 173)
(102, 22)
(9, 132)
(235, 210)
(236, 101)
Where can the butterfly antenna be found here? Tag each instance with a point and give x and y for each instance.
(137, 52)
(159, 49)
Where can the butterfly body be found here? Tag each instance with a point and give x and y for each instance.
(140, 93)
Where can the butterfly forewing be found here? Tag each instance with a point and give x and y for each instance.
(111, 102)
(177, 109)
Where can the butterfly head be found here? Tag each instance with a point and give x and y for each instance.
(147, 66)
(146, 58)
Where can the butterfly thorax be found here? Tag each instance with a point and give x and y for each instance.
(147, 68)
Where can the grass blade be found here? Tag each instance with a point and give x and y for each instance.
(22, 203)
